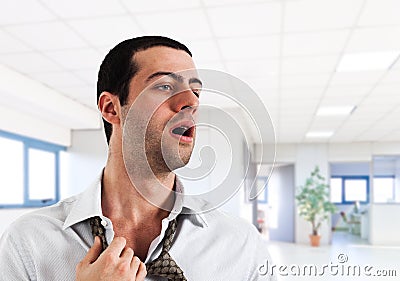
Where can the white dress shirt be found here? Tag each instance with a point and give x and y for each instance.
(47, 244)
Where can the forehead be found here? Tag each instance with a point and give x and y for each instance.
(162, 58)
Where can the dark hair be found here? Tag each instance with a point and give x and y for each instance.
(118, 67)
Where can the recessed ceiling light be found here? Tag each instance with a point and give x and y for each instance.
(367, 61)
(319, 134)
(335, 110)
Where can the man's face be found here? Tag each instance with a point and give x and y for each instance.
(165, 89)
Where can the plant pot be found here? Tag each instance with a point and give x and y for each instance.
(314, 240)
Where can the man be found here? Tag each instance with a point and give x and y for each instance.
(131, 224)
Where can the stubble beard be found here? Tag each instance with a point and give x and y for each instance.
(166, 157)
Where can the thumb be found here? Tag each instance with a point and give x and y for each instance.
(94, 252)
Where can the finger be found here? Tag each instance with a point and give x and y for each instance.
(117, 246)
(94, 252)
(135, 264)
(141, 273)
(127, 254)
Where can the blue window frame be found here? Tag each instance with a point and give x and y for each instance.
(30, 192)
(351, 189)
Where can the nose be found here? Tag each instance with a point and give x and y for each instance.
(186, 100)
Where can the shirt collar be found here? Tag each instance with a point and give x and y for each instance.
(88, 204)
(187, 205)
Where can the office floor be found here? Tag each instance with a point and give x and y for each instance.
(348, 255)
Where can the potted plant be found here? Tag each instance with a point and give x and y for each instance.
(314, 204)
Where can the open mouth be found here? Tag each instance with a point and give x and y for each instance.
(184, 131)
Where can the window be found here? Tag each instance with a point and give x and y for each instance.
(383, 189)
(355, 190)
(11, 171)
(29, 171)
(348, 189)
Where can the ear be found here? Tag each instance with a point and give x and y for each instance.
(109, 107)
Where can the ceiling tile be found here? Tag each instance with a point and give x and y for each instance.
(380, 12)
(47, 36)
(391, 77)
(29, 62)
(300, 105)
(356, 78)
(159, 5)
(303, 93)
(345, 91)
(11, 12)
(314, 43)
(392, 136)
(250, 47)
(376, 107)
(386, 91)
(310, 15)
(10, 44)
(106, 31)
(345, 135)
(341, 101)
(303, 108)
(326, 124)
(254, 68)
(396, 66)
(212, 3)
(375, 39)
(373, 134)
(77, 58)
(88, 75)
(87, 8)
(388, 121)
(204, 50)
(81, 93)
(265, 19)
(314, 64)
(263, 86)
(180, 25)
(311, 80)
(58, 79)
(213, 65)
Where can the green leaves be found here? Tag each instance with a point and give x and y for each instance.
(313, 200)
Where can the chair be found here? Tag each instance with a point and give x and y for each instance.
(354, 224)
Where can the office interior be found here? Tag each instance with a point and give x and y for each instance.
(327, 73)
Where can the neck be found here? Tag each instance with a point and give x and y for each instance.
(127, 200)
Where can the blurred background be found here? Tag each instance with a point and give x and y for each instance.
(327, 71)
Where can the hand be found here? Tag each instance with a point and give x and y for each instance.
(117, 262)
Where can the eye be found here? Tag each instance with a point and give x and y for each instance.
(164, 87)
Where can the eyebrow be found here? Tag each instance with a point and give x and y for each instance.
(174, 76)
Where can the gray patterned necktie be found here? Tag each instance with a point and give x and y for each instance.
(163, 265)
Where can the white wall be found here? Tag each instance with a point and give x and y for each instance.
(83, 161)
(384, 224)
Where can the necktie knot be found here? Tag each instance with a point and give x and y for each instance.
(163, 265)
